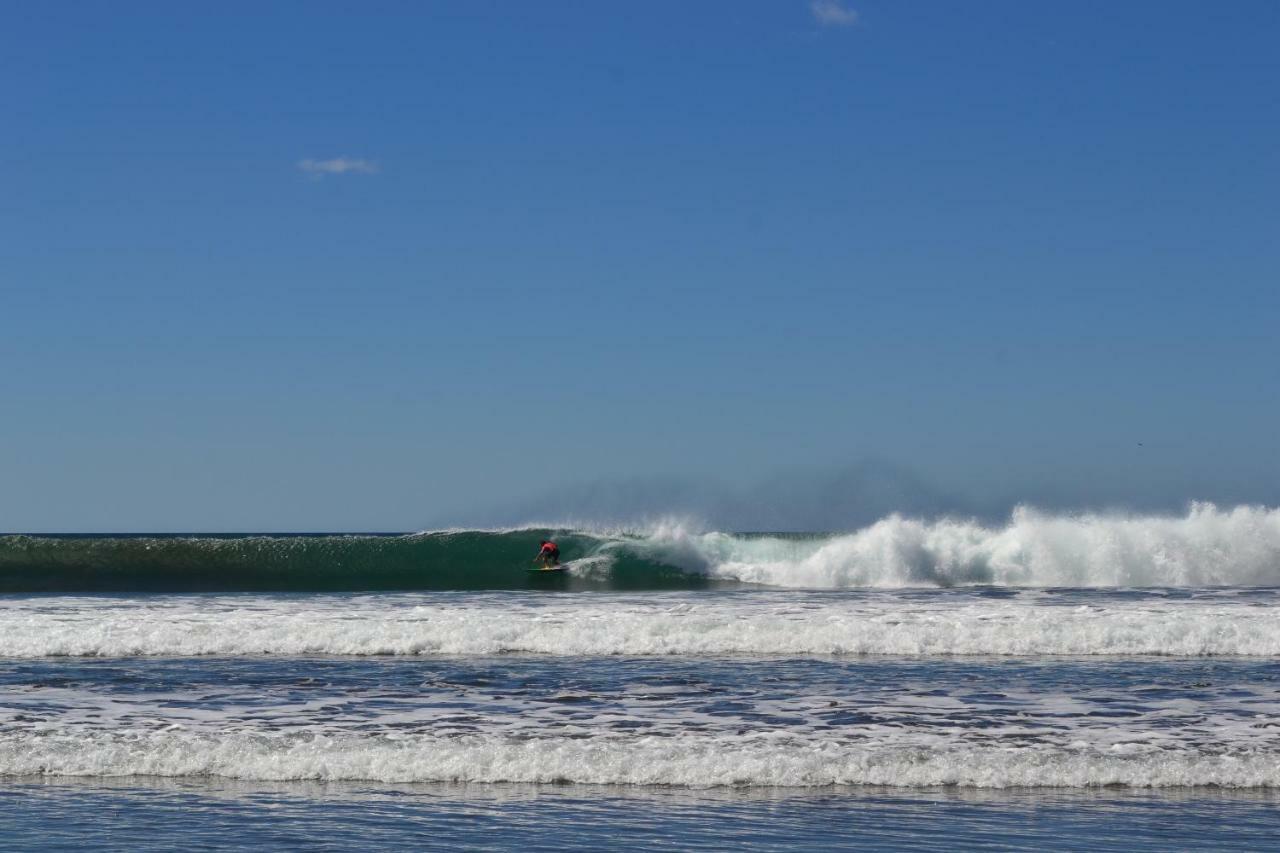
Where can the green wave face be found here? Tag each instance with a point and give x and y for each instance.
(469, 560)
(1208, 546)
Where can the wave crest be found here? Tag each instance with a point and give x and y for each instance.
(1207, 546)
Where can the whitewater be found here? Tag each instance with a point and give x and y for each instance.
(694, 722)
(1051, 651)
(1169, 622)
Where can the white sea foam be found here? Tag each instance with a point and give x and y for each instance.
(760, 759)
(767, 623)
(1206, 547)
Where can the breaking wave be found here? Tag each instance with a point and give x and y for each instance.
(1207, 546)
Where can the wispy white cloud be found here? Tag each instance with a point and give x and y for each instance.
(338, 166)
(832, 13)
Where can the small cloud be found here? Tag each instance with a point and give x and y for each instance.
(831, 13)
(338, 166)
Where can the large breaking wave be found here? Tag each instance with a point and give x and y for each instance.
(1207, 546)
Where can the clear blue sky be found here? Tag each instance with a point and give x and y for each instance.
(368, 265)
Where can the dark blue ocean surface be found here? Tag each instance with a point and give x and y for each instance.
(161, 814)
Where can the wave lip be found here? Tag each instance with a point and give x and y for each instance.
(445, 560)
(752, 760)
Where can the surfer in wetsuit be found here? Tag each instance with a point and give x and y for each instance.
(549, 555)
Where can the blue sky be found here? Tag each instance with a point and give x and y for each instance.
(378, 265)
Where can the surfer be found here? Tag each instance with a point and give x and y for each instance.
(548, 554)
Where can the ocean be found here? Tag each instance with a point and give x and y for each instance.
(1057, 681)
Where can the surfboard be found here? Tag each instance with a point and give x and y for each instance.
(549, 570)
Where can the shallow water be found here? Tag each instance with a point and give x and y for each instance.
(1114, 719)
(159, 814)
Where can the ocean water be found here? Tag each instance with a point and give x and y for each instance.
(1056, 682)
